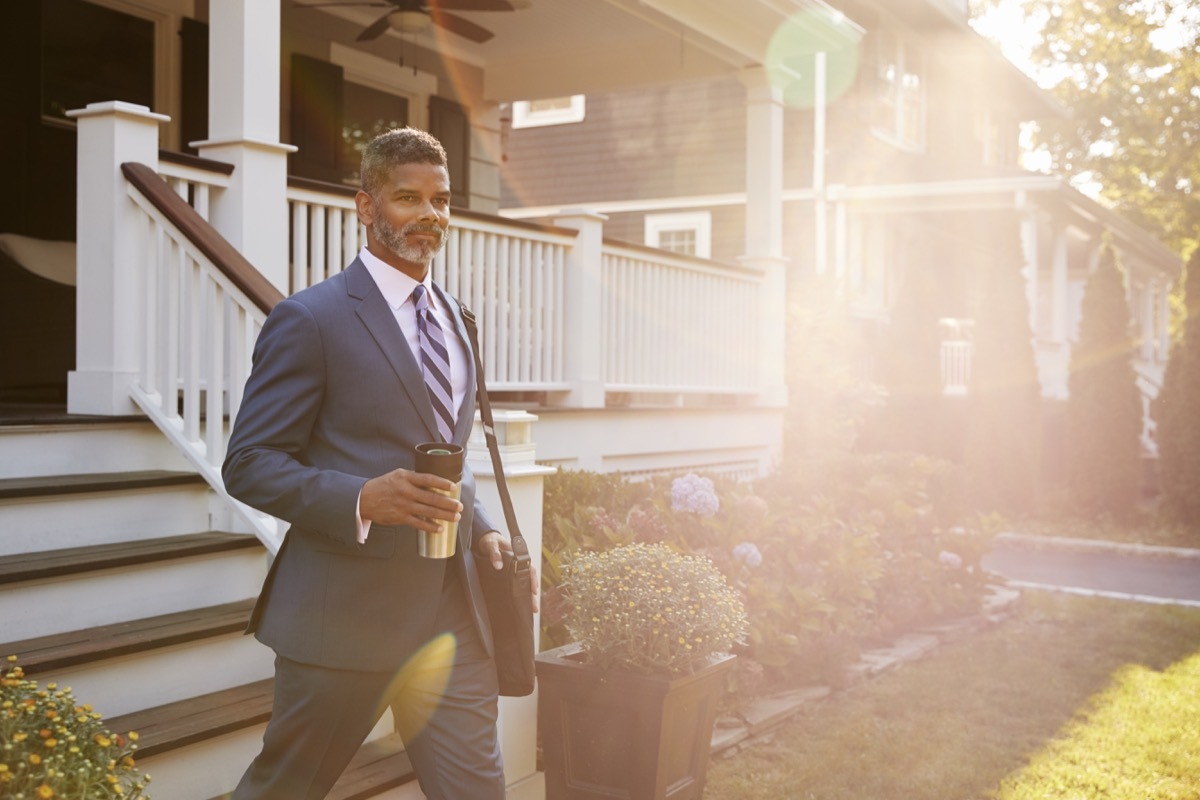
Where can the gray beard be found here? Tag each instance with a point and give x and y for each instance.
(396, 240)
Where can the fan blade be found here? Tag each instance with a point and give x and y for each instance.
(346, 5)
(463, 27)
(375, 29)
(470, 5)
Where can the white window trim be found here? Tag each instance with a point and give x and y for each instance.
(698, 221)
(524, 117)
(892, 134)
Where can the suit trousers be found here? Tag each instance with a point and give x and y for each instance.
(443, 700)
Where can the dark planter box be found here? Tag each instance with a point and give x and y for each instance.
(611, 735)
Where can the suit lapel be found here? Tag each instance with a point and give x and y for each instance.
(375, 314)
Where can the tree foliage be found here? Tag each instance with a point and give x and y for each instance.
(1129, 73)
(1104, 404)
(910, 367)
(1003, 438)
(1179, 412)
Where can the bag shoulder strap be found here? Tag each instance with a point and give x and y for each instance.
(520, 548)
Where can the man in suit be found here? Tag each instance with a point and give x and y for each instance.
(336, 402)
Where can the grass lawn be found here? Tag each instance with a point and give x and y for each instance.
(1074, 698)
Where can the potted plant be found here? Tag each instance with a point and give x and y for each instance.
(627, 709)
(55, 747)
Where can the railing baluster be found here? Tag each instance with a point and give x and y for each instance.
(299, 245)
(190, 368)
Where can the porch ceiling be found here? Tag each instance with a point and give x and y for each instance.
(552, 48)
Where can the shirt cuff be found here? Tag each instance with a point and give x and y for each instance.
(363, 525)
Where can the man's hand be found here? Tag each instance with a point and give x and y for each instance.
(402, 497)
(492, 545)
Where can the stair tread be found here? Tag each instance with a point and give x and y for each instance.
(173, 725)
(379, 765)
(74, 560)
(49, 485)
(73, 648)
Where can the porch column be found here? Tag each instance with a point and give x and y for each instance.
(583, 315)
(243, 130)
(518, 715)
(1163, 331)
(110, 243)
(764, 226)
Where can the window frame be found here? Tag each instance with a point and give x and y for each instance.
(699, 222)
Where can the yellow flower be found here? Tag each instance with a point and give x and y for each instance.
(133, 736)
(45, 791)
(103, 740)
(35, 759)
(51, 742)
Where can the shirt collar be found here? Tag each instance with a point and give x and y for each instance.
(395, 286)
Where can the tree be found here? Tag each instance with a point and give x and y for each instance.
(1104, 404)
(1128, 71)
(1178, 411)
(1003, 435)
(910, 366)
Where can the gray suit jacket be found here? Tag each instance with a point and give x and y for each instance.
(335, 397)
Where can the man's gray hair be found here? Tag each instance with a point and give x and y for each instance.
(397, 146)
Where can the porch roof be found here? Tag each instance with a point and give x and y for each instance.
(550, 48)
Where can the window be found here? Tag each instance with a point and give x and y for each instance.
(900, 92)
(90, 54)
(551, 111)
(687, 233)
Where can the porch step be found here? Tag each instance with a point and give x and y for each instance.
(55, 591)
(128, 666)
(79, 510)
(75, 648)
(59, 445)
(173, 729)
(12, 488)
(73, 560)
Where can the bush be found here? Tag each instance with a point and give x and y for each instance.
(647, 608)
(1104, 405)
(1003, 423)
(55, 747)
(1178, 411)
(822, 554)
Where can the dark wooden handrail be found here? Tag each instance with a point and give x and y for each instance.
(189, 160)
(206, 238)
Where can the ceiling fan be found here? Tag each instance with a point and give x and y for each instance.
(413, 16)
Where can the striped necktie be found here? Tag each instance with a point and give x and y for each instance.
(435, 363)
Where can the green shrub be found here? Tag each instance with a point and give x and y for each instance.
(1002, 452)
(1104, 405)
(1178, 412)
(823, 553)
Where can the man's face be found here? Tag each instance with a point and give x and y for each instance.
(407, 220)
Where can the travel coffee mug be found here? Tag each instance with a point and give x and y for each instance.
(445, 461)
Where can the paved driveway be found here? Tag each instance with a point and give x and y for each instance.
(1153, 574)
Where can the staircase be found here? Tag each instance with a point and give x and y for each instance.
(116, 579)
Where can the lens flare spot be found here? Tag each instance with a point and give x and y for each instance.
(791, 60)
(419, 685)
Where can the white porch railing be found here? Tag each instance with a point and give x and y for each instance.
(513, 276)
(956, 366)
(325, 234)
(199, 333)
(677, 325)
(196, 181)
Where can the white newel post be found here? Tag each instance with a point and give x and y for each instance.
(243, 120)
(764, 226)
(518, 715)
(110, 260)
(584, 312)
